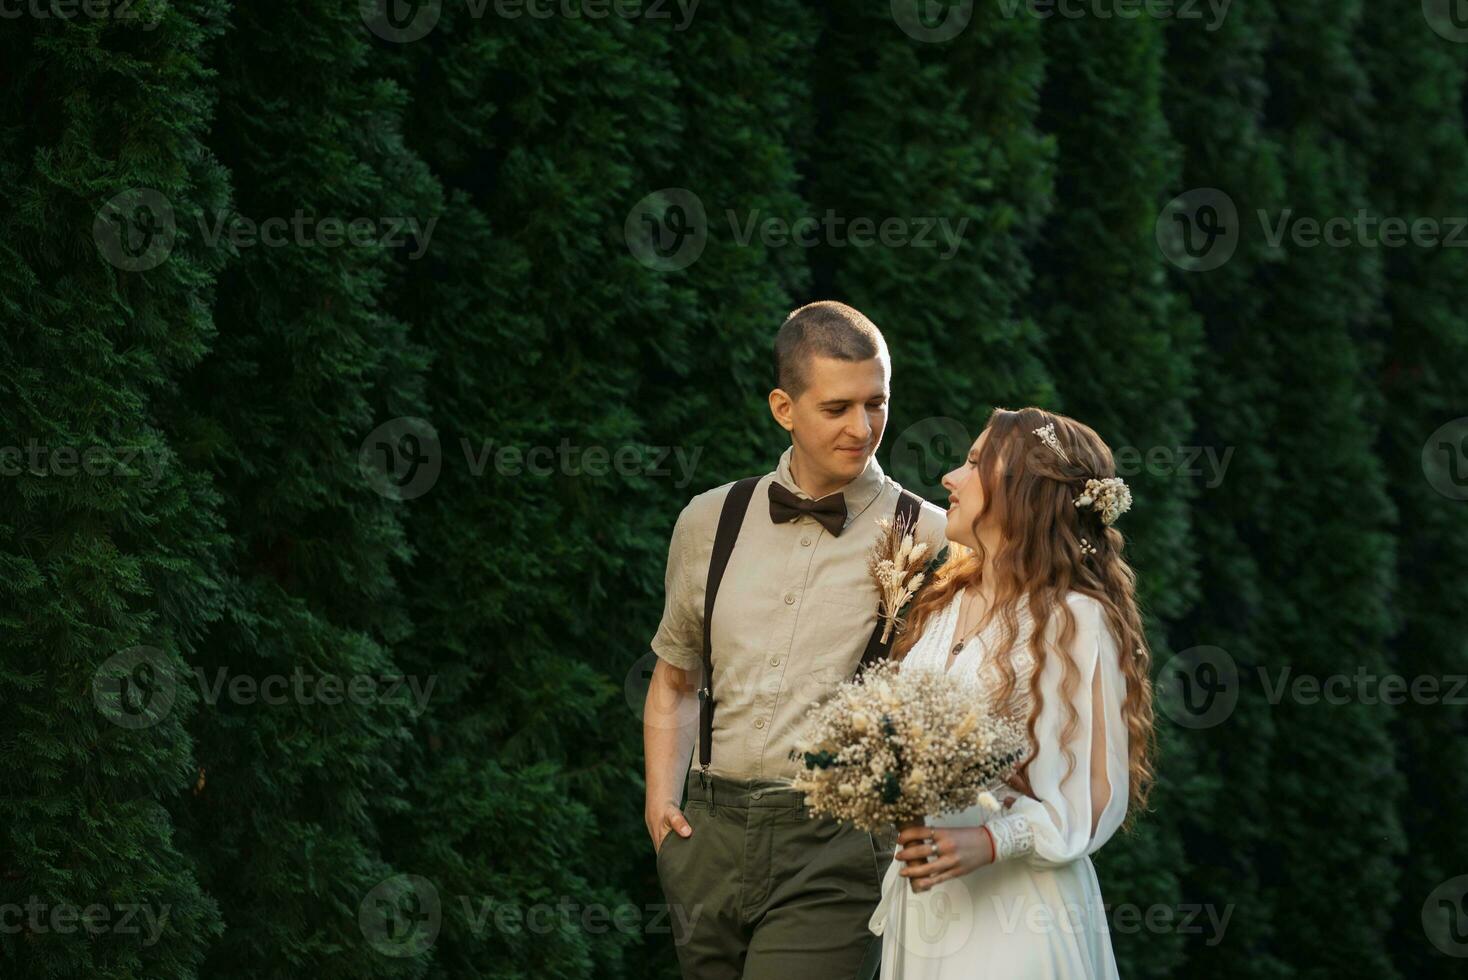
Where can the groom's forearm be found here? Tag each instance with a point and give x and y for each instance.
(669, 718)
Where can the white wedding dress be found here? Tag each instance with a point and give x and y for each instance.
(1036, 913)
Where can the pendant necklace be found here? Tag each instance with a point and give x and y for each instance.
(958, 646)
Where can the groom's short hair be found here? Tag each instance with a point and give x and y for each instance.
(825, 328)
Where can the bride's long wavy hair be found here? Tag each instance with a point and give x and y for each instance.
(1029, 492)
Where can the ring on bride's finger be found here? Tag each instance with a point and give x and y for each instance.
(935, 848)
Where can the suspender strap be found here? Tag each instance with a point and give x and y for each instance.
(906, 510)
(730, 519)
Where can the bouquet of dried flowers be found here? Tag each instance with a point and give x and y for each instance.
(891, 747)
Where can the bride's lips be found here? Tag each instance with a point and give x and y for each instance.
(852, 452)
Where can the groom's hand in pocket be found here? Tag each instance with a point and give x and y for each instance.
(661, 819)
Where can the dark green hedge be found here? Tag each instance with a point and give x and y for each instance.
(452, 450)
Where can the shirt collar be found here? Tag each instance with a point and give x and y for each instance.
(859, 493)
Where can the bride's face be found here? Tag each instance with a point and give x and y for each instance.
(965, 496)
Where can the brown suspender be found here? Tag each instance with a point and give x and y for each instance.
(735, 504)
(730, 519)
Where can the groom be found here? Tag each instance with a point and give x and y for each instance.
(765, 891)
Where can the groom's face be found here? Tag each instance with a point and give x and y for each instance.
(838, 420)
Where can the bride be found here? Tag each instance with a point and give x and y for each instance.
(1036, 601)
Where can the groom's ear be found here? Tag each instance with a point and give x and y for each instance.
(782, 407)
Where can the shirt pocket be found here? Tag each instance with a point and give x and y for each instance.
(830, 644)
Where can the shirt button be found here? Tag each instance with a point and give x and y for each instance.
(805, 541)
(789, 599)
(774, 661)
(758, 794)
(759, 723)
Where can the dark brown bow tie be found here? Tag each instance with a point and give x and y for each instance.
(830, 510)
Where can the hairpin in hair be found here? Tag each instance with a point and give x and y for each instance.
(1087, 548)
(1047, 435)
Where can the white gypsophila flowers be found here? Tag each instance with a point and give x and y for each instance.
(1110, 497)
(1047, 435)
(893, 746)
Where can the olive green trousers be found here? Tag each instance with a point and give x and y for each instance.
(764, 891)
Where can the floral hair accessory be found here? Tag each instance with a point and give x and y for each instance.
(1047, 435)
(1109, 497)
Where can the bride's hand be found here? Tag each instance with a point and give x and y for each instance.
(960, 850)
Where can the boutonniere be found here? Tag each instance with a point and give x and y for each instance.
(897, 565)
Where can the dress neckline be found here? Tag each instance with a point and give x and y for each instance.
(950, 632)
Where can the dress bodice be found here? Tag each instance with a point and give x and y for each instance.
(978, 657)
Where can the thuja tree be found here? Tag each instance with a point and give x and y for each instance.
(297, 744)
(532, 548)
(109, 540)
(930, 133)
(742, 97)
(1211, 695)
(1329, 567)
(1418, 171)
(1121, 345)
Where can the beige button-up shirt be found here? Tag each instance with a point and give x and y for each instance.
(792, 618)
